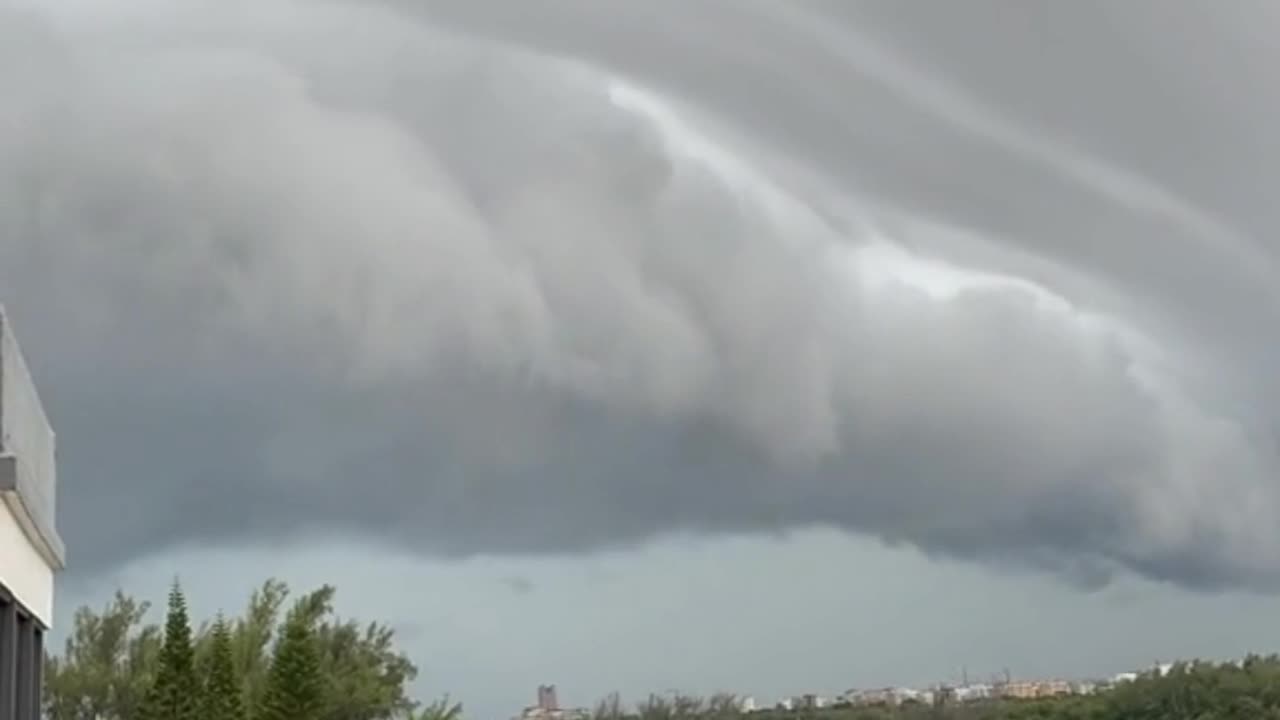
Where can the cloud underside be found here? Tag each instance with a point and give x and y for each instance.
(461, 292)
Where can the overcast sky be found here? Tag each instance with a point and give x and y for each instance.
(829, 342)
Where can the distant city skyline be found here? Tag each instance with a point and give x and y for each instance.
(1000, 687)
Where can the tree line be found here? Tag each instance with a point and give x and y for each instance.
(299, 661)
(273, 662)
(1245, 690)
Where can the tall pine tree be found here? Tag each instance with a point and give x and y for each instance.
(295, 688)
(222, 690)
(175, 691)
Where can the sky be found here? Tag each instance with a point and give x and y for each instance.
(833, 343)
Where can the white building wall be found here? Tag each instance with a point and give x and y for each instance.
(22, 569)
(30, 549)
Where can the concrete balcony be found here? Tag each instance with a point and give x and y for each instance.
(30, 549)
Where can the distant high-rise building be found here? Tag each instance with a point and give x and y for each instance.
(547, 697)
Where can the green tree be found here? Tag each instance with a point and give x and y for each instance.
(111, 658)
(175, 691)
(106, 664)
(609, 708)
(222, 691)
(441, 709)
(252, 636)
(295, 686)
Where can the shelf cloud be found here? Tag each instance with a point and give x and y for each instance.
(480, 277)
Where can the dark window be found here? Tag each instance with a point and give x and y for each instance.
(21, 657)
(37, 670)
(8, 658)
(25, 679)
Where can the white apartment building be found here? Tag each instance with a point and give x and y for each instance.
(30, 549)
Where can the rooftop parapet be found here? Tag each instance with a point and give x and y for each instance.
(28, 452)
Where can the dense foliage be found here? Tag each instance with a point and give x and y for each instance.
(310, 666)
(175, 692)
(295, 688)
(221, 698)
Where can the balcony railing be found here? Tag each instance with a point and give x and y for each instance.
(28, 464)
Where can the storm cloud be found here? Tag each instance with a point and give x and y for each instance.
(472, 277)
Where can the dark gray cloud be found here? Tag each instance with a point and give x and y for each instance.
(518, 584)
(469, 278)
